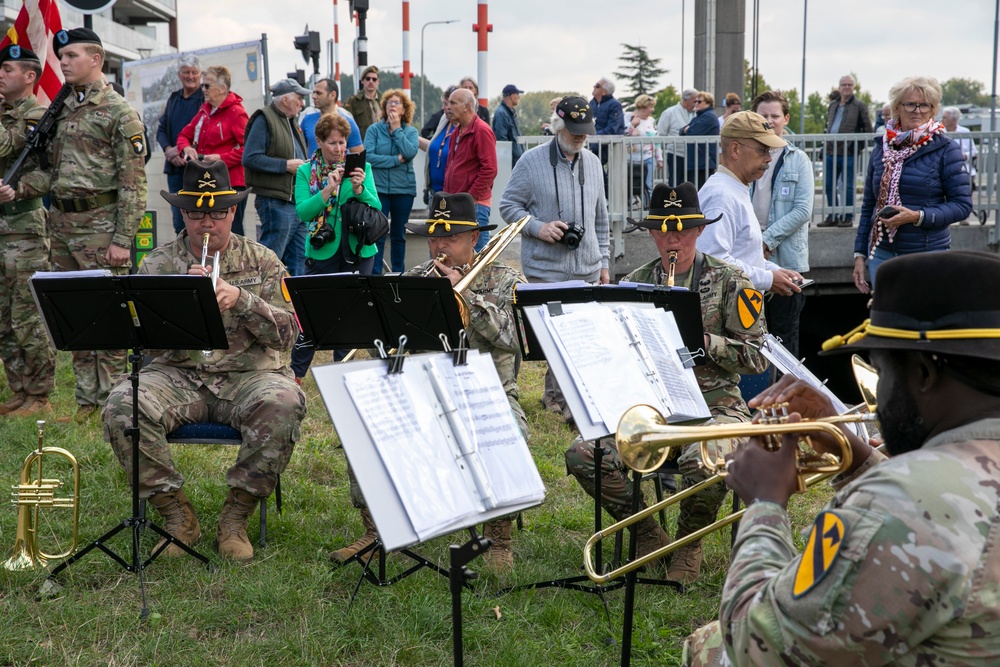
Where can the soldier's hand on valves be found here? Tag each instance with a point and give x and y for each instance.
(227, 295)
(785, 282)
(118, 256)
(6, 193)
(755, 474)
(552, 232)
(451, 273)
(800, 396)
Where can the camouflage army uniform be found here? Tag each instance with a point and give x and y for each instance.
(732, 350)
(97, 151)
(491, 329)
(24, 243)
(250, 388)
(911, 576)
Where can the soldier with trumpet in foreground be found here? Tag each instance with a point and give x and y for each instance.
(249, 387)
(452, 233)
(730, 308)
(902, 566)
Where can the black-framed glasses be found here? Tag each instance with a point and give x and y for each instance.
(761, 150)
(214, 215)
(922, 107)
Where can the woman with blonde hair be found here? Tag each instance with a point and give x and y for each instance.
(640, 123)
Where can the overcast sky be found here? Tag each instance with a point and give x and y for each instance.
(568, 44)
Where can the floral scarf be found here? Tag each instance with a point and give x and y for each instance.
(319, 172)
(897, 147)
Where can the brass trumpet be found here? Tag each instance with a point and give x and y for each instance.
(34, 493)
(208, 356)
(672, 268)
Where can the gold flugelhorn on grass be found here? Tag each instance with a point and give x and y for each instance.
(34, 493)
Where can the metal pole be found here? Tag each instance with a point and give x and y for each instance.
(266, 67)
(993, 94)
(336, 48)
(407, 75)
(483, 28)
(422, 79)
(802, 90)
(683, 27)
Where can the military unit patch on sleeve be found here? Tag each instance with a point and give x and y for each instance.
(750, 303)
(825, 539)
(284, 289)
(138, 143)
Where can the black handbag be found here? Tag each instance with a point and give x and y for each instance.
(366, 222)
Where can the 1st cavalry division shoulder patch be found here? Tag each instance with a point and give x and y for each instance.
(749, 305)
(825, 539)
(284, 289)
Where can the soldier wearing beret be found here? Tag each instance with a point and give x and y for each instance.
(902, 565)
(731, 318)
(249, 387)
(24, 241)
(98, 189)
(453, 231)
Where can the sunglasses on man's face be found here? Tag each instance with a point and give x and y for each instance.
(371, 78)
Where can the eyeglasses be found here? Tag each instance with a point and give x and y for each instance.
(393, 100)
(700, 101)
(370, 78)
(214, 215)
(762, 150)
(206, 86)
(922, 107)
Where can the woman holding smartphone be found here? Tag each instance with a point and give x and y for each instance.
(322, 186)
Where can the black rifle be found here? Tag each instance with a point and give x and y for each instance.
(39, 137)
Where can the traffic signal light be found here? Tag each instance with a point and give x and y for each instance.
(359, 5)
(308, 45)
(298, 75)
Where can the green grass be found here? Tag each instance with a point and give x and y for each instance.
(289, 607)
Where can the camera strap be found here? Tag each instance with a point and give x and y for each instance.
(577, 162)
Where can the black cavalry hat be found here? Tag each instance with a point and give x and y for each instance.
(205, 188)
(911, 312)
(674, 209)
(17, 53)
(74, 36)
(449, 215)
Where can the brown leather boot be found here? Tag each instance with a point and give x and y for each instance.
(13, 403)
(650, 536)
(371, 534)
(32, 406)
(500, 555)
(231, 532)
(686, 564)
(179, 520)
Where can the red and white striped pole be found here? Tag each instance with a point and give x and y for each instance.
(482, 27)
(336, 47)
(407, 74)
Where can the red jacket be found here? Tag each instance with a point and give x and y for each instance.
(472, 162)
(220, 132)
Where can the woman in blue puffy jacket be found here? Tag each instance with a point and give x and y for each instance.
(917, 183)
(702, 156)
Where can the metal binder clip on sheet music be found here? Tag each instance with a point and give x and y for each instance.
(396, 360)
(688, 357)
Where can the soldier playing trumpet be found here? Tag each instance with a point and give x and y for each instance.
(734, 330)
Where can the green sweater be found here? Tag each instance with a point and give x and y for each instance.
(308, 206)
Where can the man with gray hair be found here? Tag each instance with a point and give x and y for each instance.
(672, 121)
(275, 149)
(609, 118)
(181, 108)
(949, 118)
(560, 184)
(472, 159)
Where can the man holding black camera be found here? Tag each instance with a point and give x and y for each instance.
(561, 186)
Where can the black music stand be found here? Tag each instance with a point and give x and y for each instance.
(105, 312)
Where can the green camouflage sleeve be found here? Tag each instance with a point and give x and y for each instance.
(494, 321)
(737, 347)
(269, 317)
(33, 181)
(130, 151)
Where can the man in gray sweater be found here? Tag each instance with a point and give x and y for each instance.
(561, 185)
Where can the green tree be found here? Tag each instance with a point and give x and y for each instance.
(958, 91)
(640, 72)
(816, 107)
(665, 99)
(389, 80)
(533, 110)
(749, 92)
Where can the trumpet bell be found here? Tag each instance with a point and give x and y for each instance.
(867, 379)
(634, 429)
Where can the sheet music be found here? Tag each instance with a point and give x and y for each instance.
(400, 417)
(565, 284)
(85, 273)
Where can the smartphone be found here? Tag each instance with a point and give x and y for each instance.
(354, 161)
(805, 282)
(887, 212)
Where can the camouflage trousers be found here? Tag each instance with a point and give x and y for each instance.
(28, 357)
(705, 648)
(696, 511)
(74, 250)
(267, 409)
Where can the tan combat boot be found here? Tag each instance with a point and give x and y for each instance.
(650, 536)
(13, 403)
(366, 540)
(686, 564)
(500, 555)
(32, 406)
(231, 532)
(179, 520)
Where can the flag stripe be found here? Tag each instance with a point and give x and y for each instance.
(35, 25)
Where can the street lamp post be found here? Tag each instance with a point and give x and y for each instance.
(422, 62)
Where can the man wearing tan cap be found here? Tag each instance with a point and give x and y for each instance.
(746, 142)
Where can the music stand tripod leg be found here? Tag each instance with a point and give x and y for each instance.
(458, 577)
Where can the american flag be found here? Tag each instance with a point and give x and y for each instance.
(33, 29)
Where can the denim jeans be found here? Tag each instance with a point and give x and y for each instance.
(281, 230)
(397, 208)
(483, 218)
(303, 352)
(837, 167)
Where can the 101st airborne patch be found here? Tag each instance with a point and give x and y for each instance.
(825, 539)
(138, 143)
(749, 305)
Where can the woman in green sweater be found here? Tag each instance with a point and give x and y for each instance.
(321, 188)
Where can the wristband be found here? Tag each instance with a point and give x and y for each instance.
(920, 220)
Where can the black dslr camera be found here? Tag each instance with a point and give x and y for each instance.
(572, 236)
(322, 236)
